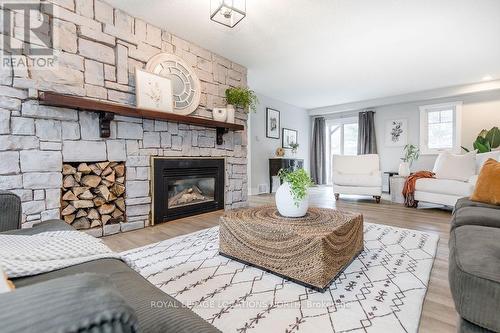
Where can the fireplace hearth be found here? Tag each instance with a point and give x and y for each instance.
(185, 187)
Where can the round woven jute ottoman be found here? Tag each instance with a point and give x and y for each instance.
(310, 250)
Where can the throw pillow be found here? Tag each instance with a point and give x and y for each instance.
(483, 157)
(455, 167)
(5, 284)
(487, 188)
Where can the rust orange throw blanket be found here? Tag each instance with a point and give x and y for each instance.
(409, 188)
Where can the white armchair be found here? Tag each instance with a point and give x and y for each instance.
(359, 175)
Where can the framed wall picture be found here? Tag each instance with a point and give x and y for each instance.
(289, 138)
(272, 123)
(153, 92)
(396, 132)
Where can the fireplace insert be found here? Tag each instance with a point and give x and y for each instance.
(184, 187)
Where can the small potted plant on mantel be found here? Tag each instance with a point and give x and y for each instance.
(411, 154)
(243, 98)
(292, 197)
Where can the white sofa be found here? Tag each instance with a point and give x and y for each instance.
(357, 175)
(445, 191)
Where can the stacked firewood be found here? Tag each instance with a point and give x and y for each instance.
(93, 194)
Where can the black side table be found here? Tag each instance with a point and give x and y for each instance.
(275, 164)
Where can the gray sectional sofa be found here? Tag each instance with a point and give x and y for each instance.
(103, 295)
(474, 266)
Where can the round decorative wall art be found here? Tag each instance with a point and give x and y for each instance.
(185, 82)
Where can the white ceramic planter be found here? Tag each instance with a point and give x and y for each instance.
(219, 114)
(230, 113)
(286, 205)
(404, 169)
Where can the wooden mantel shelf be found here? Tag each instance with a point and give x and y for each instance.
(107, 111)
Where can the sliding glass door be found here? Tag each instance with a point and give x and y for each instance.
(341, 139)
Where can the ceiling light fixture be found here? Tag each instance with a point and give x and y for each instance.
(227, 12)
(487, 78)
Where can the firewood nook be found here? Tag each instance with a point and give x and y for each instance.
(93, 194)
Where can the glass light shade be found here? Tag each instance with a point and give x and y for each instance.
(227, 12)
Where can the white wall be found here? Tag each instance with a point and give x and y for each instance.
(480, 111)
(262, 147)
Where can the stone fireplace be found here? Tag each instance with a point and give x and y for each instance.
(187, 186)
(96, 56)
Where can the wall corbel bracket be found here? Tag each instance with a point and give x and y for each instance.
(220, 134)
(104, 123)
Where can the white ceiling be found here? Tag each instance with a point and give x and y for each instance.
(313, 53)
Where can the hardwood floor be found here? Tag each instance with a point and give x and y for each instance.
(438, 314)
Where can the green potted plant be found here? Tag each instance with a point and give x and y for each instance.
(486, 141)
(292, 197)
(243, 98)
(411, 154)
(294, 146)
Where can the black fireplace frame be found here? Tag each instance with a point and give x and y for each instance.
(165, 169)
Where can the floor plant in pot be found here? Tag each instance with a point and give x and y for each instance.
(486, 141)
(241, 98)
(411, 154)
(292, 197)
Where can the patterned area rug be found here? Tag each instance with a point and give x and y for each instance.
(381, 291)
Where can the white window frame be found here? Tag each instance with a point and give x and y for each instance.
(336, 122)
(339, 122)
(457, 127)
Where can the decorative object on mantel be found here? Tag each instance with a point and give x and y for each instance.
(186, 86)
(292, 197)
(227, 12)
(230, 111)
(153, 92)
(243, 98)
(107, 111)
(272, 123)
(396, 132)
(280, 152)
(411, 154)
(289, 138)
(219, 114)
(486, 141)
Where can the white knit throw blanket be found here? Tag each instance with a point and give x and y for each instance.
(22, 255)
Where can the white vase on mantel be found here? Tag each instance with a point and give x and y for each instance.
(230, 113)
(286, 204)
(219, 114)
(404, 169)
